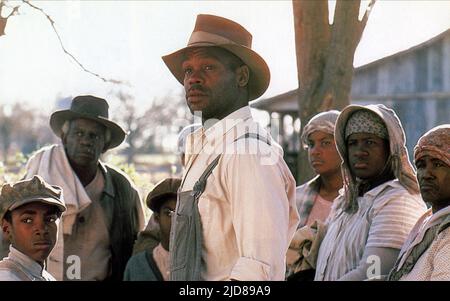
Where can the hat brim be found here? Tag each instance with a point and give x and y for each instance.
(259, 71)
(156, 202)
(58, 118)
(48, 200)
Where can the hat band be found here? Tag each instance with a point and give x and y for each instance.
(203, 37)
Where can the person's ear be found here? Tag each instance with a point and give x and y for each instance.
(156, 217)
(63, 139)
(6, 228)
(242, 75)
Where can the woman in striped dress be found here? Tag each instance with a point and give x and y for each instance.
(380, 202)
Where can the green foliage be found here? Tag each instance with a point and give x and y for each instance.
(141, 180)
(144, 179)
(14, 170)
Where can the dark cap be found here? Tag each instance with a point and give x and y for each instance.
(27, 191)
(163, 190)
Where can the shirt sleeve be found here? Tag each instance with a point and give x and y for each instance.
(393, 220)
(7, 275)
(375, 264)
(264, 216)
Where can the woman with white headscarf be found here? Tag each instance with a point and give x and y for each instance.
(380, 202)
(315, 198)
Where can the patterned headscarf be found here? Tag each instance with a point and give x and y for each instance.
(398, 160)
(323, 122)
(364, 121)
(435, 143)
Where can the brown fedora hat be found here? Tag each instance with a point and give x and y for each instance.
(214, 31)
(88, 107)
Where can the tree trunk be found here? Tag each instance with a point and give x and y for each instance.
(324, 60)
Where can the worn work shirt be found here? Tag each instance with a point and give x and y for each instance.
(434, 263)
(90, 240)
(20, 267)
(247, 209)
(385, 216)
(90, 237)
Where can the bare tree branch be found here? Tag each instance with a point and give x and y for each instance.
(52, 23)
(363, 21)
(2, 20)
(14, 11)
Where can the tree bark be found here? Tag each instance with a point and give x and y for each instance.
(324, 60)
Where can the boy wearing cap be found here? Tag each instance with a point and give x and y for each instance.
(153, 263)
(29, 211)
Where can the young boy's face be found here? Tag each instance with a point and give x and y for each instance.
(33, 229)
(164, 218)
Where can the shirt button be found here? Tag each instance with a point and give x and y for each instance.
(81, 219)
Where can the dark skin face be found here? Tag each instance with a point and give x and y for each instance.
(322, 153)
(215, 82)
(433, 176)
(367, 155)
(163, 217)
(33, 230)
(84, 143)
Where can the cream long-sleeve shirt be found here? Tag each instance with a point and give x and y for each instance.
(248, 211)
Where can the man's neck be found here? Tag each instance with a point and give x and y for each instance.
(85, 173)
(209, 121)
(440, 205)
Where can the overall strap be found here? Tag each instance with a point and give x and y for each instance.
(200, 185)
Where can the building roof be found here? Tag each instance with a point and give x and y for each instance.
(410, 50)
(288, 102)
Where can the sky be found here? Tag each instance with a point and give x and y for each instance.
(125, 40)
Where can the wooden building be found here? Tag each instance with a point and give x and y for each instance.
(415, 83)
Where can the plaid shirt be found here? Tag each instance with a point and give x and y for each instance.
(305, 196)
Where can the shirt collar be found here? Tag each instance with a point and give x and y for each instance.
(198, 139)
(377, 190)
(29, 264)
(439, 216)
(220, 128)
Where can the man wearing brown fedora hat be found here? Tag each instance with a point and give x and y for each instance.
(104, 211)
(236, 212)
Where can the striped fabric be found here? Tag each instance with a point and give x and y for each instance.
(385, 216)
